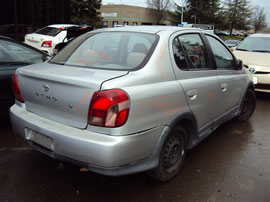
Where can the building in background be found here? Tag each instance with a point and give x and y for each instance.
(18, 17)
(119, 15)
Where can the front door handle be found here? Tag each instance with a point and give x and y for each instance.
(224, 87)
(192, 94)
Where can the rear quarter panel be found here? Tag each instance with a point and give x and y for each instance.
(155, 96)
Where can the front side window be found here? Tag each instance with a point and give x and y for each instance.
(223, 58)
(194, 50)
(107, 50)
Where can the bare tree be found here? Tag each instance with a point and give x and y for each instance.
(159, 9)
(259, 19)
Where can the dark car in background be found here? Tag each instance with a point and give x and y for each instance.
(232, 43)
(222, 33)
(14, 54)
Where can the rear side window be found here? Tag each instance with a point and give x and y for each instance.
(108, 50)
(49, 31)
(223, 58)
(194, 50)
(179, 55)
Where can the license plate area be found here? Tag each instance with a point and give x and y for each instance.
(38, 138)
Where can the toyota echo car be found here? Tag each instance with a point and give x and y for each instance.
(124, 100)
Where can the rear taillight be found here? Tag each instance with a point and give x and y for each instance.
(15, 87)
(47, 44)
(109, 108)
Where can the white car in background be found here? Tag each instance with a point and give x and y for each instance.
(48, 37)
(254, 51)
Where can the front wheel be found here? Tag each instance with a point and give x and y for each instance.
(171, 157)
(248, 106)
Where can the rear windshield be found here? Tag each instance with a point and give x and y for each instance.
(49, 31)
(108, 50)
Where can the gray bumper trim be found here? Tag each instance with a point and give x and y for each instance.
(132, 168)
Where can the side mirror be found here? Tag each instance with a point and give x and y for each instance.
(239, 65)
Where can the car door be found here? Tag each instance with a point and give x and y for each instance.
(197, 76)
(231, 80)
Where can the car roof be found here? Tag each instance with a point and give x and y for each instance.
(260, 35)
(147, 29)
(22, 44)
(5, 37)
(62, 25)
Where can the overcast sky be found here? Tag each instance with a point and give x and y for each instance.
(263, 3)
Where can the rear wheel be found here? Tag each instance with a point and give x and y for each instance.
(172, 156)
(248, 106)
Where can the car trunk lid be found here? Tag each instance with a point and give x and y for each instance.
(36, 40)
(61, 93)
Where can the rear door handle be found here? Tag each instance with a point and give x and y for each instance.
(192, 94)
(224, 87)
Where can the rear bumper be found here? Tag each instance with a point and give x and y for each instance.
(105, 154)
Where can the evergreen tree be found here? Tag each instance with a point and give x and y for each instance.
(85, 12)
(238, 14)
(175, 17)
(200, 12)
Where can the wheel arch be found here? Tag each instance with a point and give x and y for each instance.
(249, 85)
(188, 122)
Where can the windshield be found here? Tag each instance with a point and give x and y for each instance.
(49, 31)
(255, 44)
(108, 50)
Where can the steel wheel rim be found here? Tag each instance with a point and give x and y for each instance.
(173, 154)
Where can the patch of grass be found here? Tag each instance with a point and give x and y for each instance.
(231, 37)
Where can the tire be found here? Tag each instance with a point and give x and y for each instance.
(171, 157)
(248, 106)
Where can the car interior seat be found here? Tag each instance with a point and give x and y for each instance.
(137, 55)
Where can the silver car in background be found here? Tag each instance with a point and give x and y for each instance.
(125, 100)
